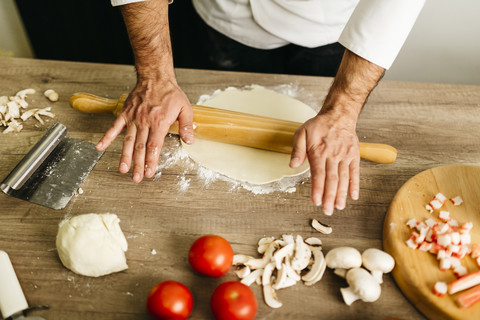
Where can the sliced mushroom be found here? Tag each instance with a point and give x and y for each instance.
(283, 253)
(27, 114)
(288, 238)
(253, 276)
(241, 259)
(256, 263)
(317, 270)
(51, 95)
(313, 241)
(13, 126)
(262, 248)
(242, 271)
(13, 110)
(43, 112)
(266, 240)
(19, 101)
(282, 280)
(291, 273)
(268, 292)
(302, 254)
(3, 100)
(320, 227)
(23, 93)
(267, 256)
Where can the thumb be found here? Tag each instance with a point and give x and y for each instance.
(299, 151)
(185, 124)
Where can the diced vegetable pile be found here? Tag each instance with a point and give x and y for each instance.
(450, 241)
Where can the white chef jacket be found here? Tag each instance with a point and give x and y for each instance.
(372, 29)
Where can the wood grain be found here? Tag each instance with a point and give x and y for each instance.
(416, 272)
(429, 124)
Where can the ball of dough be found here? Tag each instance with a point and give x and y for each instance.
(92, 244)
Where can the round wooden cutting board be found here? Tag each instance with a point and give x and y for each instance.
(416, 272)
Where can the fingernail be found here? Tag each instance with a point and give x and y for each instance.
(340, 207)
(188, 138)
(355, 195)
(99, 146)
(317, 200)
(294, 162)
(123, 166)
(136, 177)
(148, 171)
(328, 210)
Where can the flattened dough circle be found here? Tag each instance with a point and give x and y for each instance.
(246, 164)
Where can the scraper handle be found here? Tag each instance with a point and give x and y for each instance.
(12, 299)
(233, 127)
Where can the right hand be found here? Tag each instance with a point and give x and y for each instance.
(149, 111)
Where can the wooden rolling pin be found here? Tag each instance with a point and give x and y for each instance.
(233, 127)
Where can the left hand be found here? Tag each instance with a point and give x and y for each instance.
(331, 145)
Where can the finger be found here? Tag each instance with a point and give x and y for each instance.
(185, 124)
(299, 152)
(115, 129)
(317, 170)
(127, 150)
(154, 145)
(139, 154)
(331, 186)
(354, 179)
(343, 175)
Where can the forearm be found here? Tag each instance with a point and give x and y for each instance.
(355, 79)
(148, 30)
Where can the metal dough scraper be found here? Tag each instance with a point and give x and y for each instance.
(53, 170)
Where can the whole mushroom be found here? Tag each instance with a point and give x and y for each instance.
(362, 286)
(378, 262)
(343, 258)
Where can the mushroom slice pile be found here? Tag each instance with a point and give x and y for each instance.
(37, 113)
(285, 262)
(13, 111)
(347, 263)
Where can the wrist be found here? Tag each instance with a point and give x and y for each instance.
(341, 110)
(155, 72)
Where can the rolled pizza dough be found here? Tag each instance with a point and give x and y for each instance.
(92, 244)
(246, 164)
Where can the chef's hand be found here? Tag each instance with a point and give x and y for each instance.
(149, 111)
(329, 140)
(331, 145)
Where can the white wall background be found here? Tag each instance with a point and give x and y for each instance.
(443, 46)
(13, 39)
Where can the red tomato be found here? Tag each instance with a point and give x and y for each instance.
(170, 300)
(233, 301)
(211, 256)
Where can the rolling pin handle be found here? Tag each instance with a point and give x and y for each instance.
(378, 152)
(89, 103)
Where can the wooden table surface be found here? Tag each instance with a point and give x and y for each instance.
(429, 124)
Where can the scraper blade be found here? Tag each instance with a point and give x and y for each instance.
(51, 173)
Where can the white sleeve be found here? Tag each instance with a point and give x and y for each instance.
(122, 2)
(377, 29)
